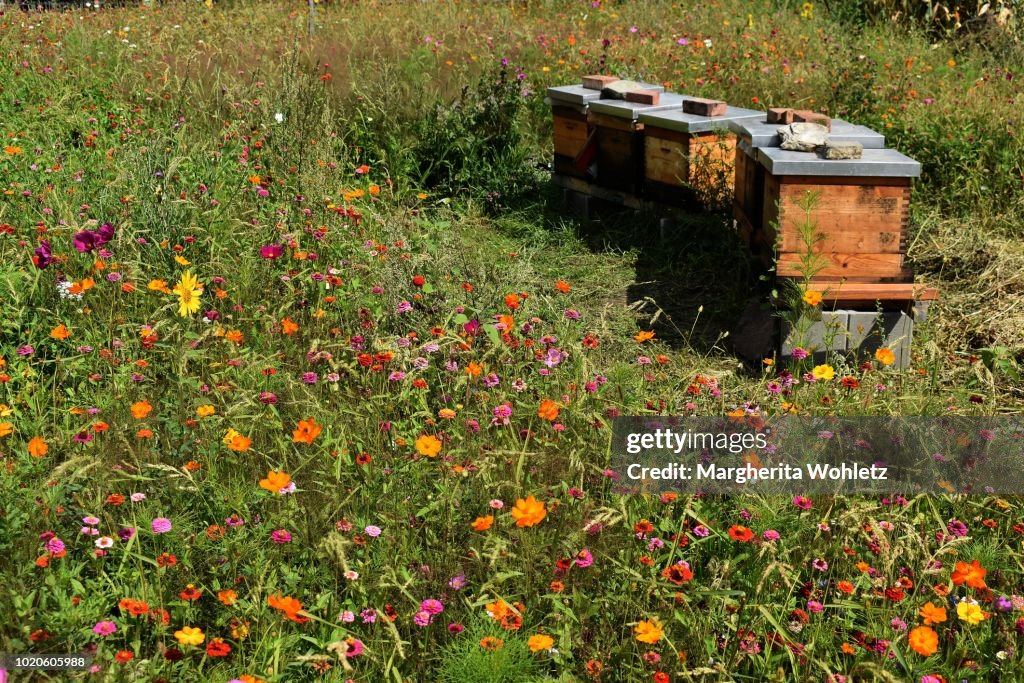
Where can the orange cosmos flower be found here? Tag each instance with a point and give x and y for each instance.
(972, 574)
(648, 631)
(932, 614)
(923, 640)
(227, 597)
(540, 642)
(289, 607)
(141, 409)
(563, 286)
(60, 332)
(643, 336)
(529, 511)
(275, 481)
(483, 523)
(288, 327)
(307, 430)
(239, 443)
(512, 301)
(885, 356)
(548, 410)
(812, 298)
(428, 445)
(37, 448)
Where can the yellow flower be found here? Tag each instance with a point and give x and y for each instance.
(540, 642)
(188, 290)
(812, 298)
(182, 261)
(5, 410)
(823, 372)
(6, 429)
(970, 612)
(648, 631)
(190, 635)
(205, 411)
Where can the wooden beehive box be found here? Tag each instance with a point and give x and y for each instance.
(860, 216)
(569, 105)
(688, 156)
(748, 192)
(619, 140)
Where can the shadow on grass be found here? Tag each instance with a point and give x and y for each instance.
(693, 276)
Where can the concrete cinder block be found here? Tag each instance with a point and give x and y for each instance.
(870, 331)
(817, 337)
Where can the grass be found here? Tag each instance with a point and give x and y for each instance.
(361, 207)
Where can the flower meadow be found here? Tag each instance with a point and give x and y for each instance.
(302, 379)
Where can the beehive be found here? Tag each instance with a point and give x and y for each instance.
(569, 105)
(748, 197)
(688, 156)
(859, 218)
(619, 140)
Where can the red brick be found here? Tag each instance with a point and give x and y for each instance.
(782, 115)
(808, 116)
(702, 107)
(643, 96)
(598, 82)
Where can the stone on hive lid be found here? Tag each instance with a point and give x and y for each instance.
(803, 137)
(841, 150)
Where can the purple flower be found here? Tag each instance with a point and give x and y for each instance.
(584, 559)
(43, 255)
(368, 616)
(104, 628)
(54, 546)
(771, 535)
(281, 536)
(272, 251)
(457, 582)
(957, 528)
(422, 619)
(372, 531)
(161, 525)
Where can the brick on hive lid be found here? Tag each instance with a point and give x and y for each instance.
(782, 115)
(700, 106)
(808, 116)
(598, 82)
(643, 96)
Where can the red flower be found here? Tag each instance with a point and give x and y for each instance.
(661, 677)
(740, 533)
(124, 656)
(419, 280)
(190, 593)
(218, 648)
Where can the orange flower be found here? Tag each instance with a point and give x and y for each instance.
(288, 327)
(483, 523)
(512, 301)
(428, 445)
(924, 641)
(649, 631)
(289, 606)
(932, 614)
(275, 481)
(239, 443)
(848, 649)
(141, 409)
(491, 643)
(548, 410)
(885, 356)
(539, 642)
(529, 511)
(845, 586)
(643, 336)
(307, 430)
(740, 533)
(563, 286)
(227, 597)
(37, 448)
(972, 574)
(812, 298)
(474, 369)
(60, 332)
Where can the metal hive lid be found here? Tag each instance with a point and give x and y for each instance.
(631, 110)
(679, 120)
(875, 163)
(764, 134)
(577, 94)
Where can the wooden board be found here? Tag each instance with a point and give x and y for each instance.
(571, 131)
(619, 157)
(874, 291)
(862, 223)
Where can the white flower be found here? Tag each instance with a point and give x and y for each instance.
(279, 117)
(138, 497)
(104, 542)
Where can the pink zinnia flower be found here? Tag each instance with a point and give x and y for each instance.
(104, 628)
(280, 536)
(161, 525)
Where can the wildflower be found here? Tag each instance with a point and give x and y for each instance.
(218, 648)
(161, 525)
(227, 597)
(37, 447)
(823, 372)
(540, 642)
(812, 298)
(740, 533)
(648, 631)
(188, 291)
(923, 640)
(281, 536)
(288, 606)
(972, 574)
(306, 431)
(970, 612)
(483, 523)
(885, 356)
(428, 445)
(548, 410)
(528, 512)
(643, 336)
(190, 635)
(104, 628)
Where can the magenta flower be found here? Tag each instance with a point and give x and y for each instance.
(281, 536)
(104, 628)
(584, 559)
(432, 606)
(161, 525)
